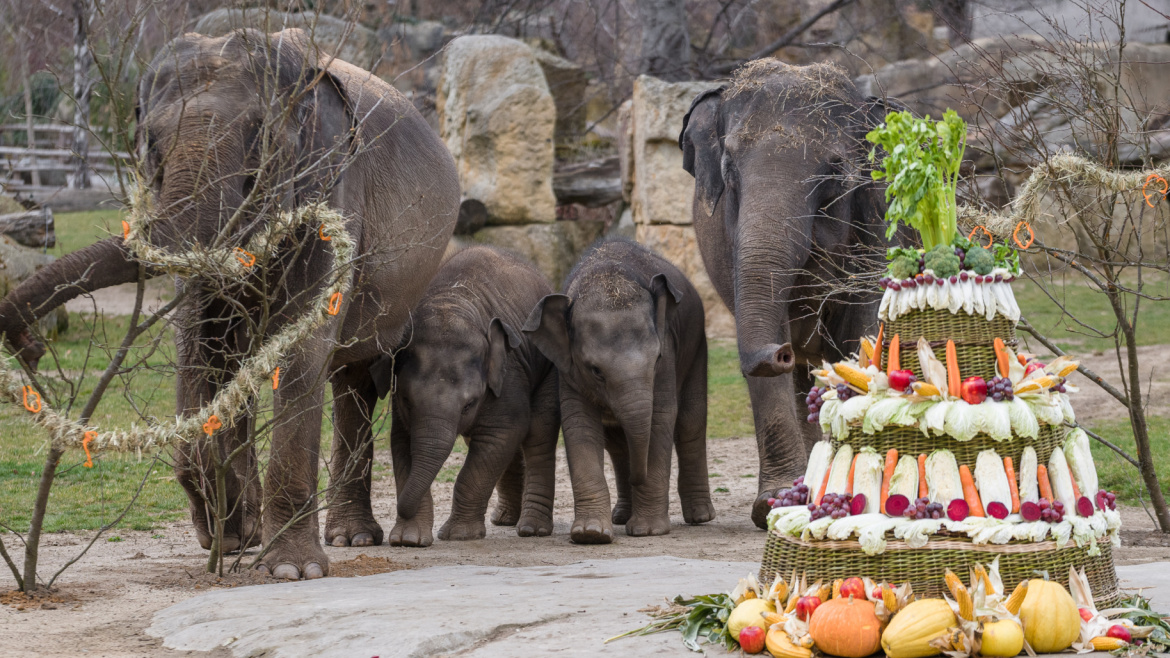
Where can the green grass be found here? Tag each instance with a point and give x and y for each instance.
(79, 229)
(729, 411)
(1118, 475)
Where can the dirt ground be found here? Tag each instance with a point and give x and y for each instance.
(102, 604)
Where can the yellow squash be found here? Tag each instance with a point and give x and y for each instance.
(778, 644)
(1051, 620)
(911, 630)
(748, 613)
(1002, 639)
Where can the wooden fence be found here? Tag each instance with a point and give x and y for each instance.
(50, 158)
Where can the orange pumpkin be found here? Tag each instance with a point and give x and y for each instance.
(846, 627)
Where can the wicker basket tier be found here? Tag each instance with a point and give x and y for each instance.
(911, 441)
(974, 338)
(924, 567)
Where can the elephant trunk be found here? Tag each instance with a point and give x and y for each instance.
(431, 439)
(202, 185)
(635, 413)
(770, 251)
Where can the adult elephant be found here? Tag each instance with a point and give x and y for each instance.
(231, 130)
(782, 212)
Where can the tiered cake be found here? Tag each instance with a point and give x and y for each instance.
(945, 448)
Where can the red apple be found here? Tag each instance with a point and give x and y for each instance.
(900, 380)
(805, 606)
(974, 390)
(1120, 632)
(1035, 365)
(1086, 614)
(751, 639)
(853, 587)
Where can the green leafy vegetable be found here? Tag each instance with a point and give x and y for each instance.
(922, 167)
(698, 618)
(1140, 613)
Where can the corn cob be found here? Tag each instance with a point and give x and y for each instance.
(805, 641)
(837, 588)
(981, 574)
(791, 603)
(953, 583)
(1017, 598)
(966, 604)
(825, 592)
(1028, 387)
(779, 591)
(749, 594)
(925, 390)
(1105, 643)
(1068, 369)
(889, 599)
(771, 618)
(852, 376)
(866, 347)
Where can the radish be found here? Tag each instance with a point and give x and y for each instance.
(896, 505)
(958, 509)
(1030, 511)
(858, 504)
(997, 509)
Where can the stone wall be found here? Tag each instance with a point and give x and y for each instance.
(659, 190)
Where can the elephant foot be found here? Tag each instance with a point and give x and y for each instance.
(698, 511)
(356, 530)
(621, 512)
(760, 508)
(235, 537)
(295, 556)
(462, 530)
(504, 514)
(534, 524)
(643, 526)
(411, 532)
(591, 530)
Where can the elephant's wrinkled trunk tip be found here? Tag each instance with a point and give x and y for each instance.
(769, 361)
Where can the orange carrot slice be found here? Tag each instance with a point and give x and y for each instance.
(1044, 482)
(849, 481)
(1001, 357)
(923, 492)
(892, 363)
(888, 474)
(953, 380)
(970, 494)
(1015, 489)
(824, 485)
(877, 347)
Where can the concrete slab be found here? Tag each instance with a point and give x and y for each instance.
(473, 611)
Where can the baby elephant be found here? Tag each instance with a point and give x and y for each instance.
(630, 349)
(466, 371)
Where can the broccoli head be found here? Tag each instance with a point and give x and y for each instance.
(980, 260)
(944, 264)
(903, 267)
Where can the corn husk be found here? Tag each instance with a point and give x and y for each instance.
(942, 477)
(1029, 485)
(933, 371)
(905, 478)
(867, 479)
(839, 474)
(991, 480)
(1061, 478)
(1080, 461)
(819, 460)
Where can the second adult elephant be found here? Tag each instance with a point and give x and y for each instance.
(782, 209)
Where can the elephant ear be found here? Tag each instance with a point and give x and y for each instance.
(382, 373)
(501, 338)
(666, 298)
(702, 147)
(548, 329)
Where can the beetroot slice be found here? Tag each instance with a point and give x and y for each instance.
(1084, 506)
(858, 504)
(1102, 500)
(997, 509)
(958, 509)
(897, 504)
(1030, 511)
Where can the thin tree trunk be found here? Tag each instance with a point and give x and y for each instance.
(28, 119)
(1141, 430)
(82, 85)
(33, 541)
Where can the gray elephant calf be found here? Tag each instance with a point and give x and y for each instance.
(630, 349)
(467, 371)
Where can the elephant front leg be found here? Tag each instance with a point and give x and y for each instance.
(350, 519)
(510, 493)
(651, 499)
(540, 461)
(488, 456)
(779, 439)
(418, 530)
(585, 450)
(690, 440)
(619, 456)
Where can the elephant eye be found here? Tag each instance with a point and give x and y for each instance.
(597, 373)
(469, 406)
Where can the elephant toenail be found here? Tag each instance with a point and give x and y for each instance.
(339, 541)
(287, 572)
(362, 539)
(263, 568)
(313, 570)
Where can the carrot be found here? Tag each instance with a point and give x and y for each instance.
(877, 347)
(824, 485)
(954, 382)
(1022, 359)
(970, 494)
(892, 363)
(1001, 357)
(849, 481)
(888, 472)
(1076, 489)
(922, 490)
(1044, 482)
(1015, 489)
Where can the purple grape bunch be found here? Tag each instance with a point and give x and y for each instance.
(1000, 389)
(1051, 512)
(1059, 388)
(815, 400)
(791, 497)
(836, 506)
(924, 509)
(844, 392)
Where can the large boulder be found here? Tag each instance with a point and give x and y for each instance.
(553, 248)
(678, 245)
(567, 83)
(18, 263)
(661, 189)
(346, 40)
(497, 117)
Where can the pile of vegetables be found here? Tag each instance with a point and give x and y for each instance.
(911, 497)
(856, 617)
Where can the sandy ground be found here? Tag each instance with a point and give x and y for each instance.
(102, 605)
